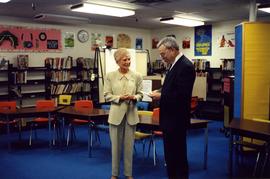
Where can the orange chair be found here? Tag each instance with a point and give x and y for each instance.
(42, 104)
(9, 105)
(82, 104)
(194, 105)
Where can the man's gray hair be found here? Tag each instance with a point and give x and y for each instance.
(169, 43)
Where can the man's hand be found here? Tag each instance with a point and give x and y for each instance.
(155, 95)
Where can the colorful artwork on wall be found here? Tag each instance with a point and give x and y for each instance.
(226, 40)
(139, 43)
(109, 41)
(154, 42)
(15, 38)
(203, 40)
(69, 39)
(186, 43)
(123, 41)
(96, 40)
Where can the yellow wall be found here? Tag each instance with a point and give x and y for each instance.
(256, 70)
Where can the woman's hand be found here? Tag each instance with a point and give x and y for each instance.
(128, 97)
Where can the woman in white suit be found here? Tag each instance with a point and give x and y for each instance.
(123, 89)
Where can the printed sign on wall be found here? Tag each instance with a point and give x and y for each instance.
(203, 40)
(14, 38)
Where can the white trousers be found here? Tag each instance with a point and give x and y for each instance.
(122, 136)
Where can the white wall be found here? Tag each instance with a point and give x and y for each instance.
(182, 32)
(80, 49)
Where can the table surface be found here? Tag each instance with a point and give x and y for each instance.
(31, 110)
(250, 128)
(154, 121)
(71, 110)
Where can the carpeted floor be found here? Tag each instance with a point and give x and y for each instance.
(41, 162)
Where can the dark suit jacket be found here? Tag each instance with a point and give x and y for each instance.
(176, 95)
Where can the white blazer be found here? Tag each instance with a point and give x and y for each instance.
(112, 92)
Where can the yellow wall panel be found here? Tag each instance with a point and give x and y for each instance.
(256, 70)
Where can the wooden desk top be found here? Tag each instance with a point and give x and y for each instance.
(250, 128)
(70, 111)
(28, 112)
(154, 122)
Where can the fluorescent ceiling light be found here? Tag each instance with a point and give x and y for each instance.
(102, 10)
(181, 21)
(265, 8)
(4, 1)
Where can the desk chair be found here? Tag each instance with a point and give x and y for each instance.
(194, 106)
(143, 136)
(10, 105)
(41, 104)
(82, 104)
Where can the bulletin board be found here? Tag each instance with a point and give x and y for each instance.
(23, 39)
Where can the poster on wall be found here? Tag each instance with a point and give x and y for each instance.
(203, 40)
(69, 39)
(109, 41)
(154, 42)
(186, 43)
(24, 39)
(226, 40)
(96, 41)
(139, 43)
(123, 41)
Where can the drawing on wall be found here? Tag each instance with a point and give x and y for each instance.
(154, 42)
(123, 40)
(203, 40)
(109, 41)
(96, 40)
(139, 43)
(226, 39)
(69, 39)
(24, 39)
(186, 43)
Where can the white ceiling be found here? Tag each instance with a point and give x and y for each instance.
(147, 14)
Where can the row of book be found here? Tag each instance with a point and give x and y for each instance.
(87, 63)
(84, 75)
(19, 77)
(57, 89)
(22, 61)
(59, 63)
(227, 64)
(58, 76)
(201, 64)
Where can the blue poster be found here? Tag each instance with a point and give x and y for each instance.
(139, 42)
(203, 40)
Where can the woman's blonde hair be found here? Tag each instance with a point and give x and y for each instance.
(120, 53)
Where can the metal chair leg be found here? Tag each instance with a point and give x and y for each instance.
(68, 134)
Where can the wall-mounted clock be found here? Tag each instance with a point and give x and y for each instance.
(83, 36)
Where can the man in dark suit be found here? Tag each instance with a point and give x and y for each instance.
(175, 99)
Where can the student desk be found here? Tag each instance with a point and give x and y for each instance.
(96, 115)
(28, 112)
(152, 123)
(246, 128)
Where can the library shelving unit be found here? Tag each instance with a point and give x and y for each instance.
(4, 84)
(212, 107)
(60, 78)
(80, 81)
(26, 84)
(85, 71)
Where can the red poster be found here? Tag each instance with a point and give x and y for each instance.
(14, 38)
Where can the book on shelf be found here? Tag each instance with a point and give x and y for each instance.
(22, 61)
